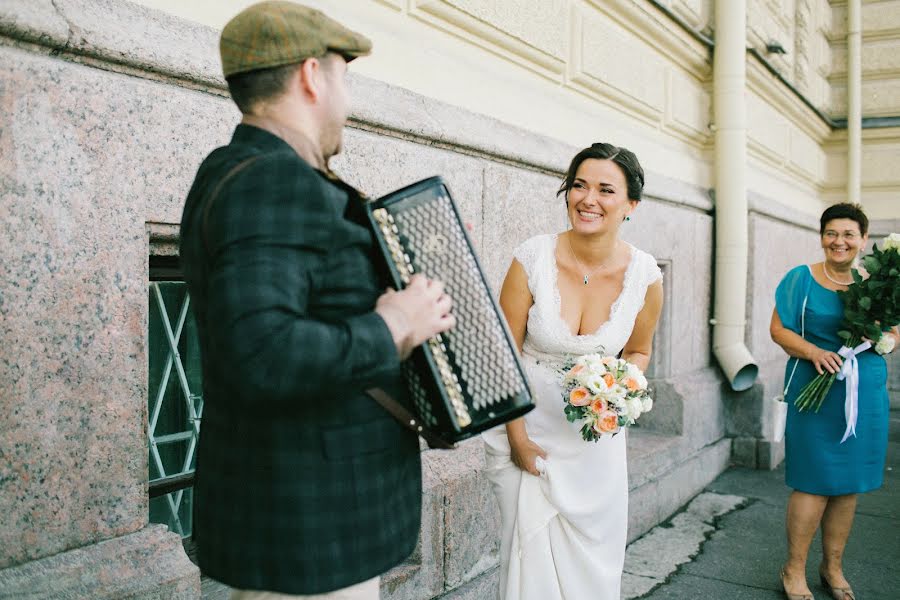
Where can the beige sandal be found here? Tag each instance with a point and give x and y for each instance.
(794, 596)
(836, 593)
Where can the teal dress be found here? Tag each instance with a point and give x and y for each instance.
(816, 462)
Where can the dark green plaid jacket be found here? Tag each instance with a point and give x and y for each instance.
(304, 485)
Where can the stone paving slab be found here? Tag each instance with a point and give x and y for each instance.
(689, 587)
(742, 557)
(652, 558)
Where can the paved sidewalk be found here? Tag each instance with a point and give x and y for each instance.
(745, 546)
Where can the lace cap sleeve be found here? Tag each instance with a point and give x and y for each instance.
(652, 272)
(527, 254)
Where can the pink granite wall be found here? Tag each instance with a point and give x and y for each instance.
(87, 156)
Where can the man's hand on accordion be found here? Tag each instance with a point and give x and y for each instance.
(416, 313)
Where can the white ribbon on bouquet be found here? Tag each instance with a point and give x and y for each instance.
(850, 373)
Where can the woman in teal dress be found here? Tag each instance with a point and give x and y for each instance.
(825, 474)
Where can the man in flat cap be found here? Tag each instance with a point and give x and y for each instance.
(305, 486)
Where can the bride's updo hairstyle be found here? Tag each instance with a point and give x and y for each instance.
(627, 161)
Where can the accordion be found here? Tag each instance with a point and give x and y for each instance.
(468, 379)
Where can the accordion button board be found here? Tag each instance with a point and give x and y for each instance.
(470, 378)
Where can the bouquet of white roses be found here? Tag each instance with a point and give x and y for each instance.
(871, 307)
(604, 394)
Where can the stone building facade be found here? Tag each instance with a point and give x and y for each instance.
(109, 106)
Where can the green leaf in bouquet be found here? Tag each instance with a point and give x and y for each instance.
(873, 332)
(844, 334)
(857, 278)
(852, 316)
(865, 302)
(872, 263)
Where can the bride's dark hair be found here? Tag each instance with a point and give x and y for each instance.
(627, 161)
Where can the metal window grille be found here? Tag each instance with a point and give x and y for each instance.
(175, 404)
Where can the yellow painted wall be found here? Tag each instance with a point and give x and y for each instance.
(621, 71)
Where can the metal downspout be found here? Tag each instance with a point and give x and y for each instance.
(854, 100)
(730, 110)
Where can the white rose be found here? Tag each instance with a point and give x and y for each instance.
(596, 369)
(632, 371)
(891, 241)
(886, 342)
(589, 359)
(635, 408)
(596, 384)
(647, 403)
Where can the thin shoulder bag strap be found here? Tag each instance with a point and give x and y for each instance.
(803, 335)
(215, 194)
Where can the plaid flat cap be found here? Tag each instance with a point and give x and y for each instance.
(275, 33)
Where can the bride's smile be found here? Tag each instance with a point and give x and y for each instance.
(598, 199)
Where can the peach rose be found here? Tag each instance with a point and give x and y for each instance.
(609, 380)
(599, 405)
(574, 371)
(580, 396)
(632, 384)
(607, 422)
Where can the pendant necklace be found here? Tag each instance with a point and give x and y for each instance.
(832, 279)
(587, 273)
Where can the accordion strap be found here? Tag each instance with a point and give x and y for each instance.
(407, 419)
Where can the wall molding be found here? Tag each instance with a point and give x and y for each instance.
(461, 24)
(134, 40)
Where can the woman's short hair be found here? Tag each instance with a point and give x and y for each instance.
(844, 210)
(627, 161)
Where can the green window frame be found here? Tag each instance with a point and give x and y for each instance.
(174, 400)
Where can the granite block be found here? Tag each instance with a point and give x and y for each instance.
(472, 530)
(769, 454)
(517, 205)
(643, 510)
(676, 474)
(682, 239)
(745, 411)
(667, 415)
(120, 32)
(688, 477)
(777, 248)
(483, 587)
(377, 164)
(37, 21)
(73, 313)
(744, 453)
(149, 564)
(705, 414)
(398, 112)
(422, 574)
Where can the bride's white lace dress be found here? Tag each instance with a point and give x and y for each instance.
(564, 532)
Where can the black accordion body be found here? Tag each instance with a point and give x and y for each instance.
(468, 379)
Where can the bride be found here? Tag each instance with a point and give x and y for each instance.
(563, 501)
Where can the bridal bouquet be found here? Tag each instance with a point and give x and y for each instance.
(604, 394)
(871, 307)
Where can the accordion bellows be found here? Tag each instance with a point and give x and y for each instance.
(468, 379)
